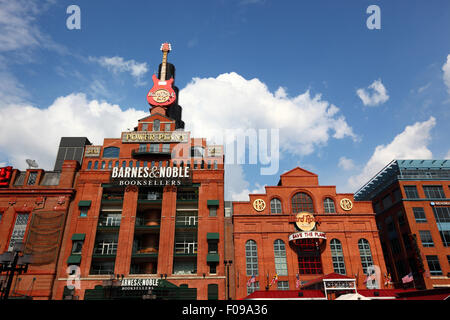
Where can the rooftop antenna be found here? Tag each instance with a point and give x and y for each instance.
(31, 163)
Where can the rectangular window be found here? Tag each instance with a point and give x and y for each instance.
(434, 265)
(445, 236)
(84, 211)
(32, 178)
(213, 211)
(425, 237)
(167, 127)
(283, 285)
(144, 126)
(442, 214)
(419, 215)
(411, 192)
(20, 227)
(166, 147)
(154, 147)
(212, 247)
(434, 192)
(212, 268)
(77, 246)
(309, 261)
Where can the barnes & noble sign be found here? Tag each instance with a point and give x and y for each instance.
(154, 176)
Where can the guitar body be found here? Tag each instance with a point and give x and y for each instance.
(162, 93)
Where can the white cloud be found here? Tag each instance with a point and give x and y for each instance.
(236, 187)
(346, 164)
(30, 132)
(213, 105)
(377, 96)
(229, 102)
(412, 143)
(447, 156)
(118, 64)
(446, 76)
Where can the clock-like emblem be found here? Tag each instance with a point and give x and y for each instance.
(346, 204)
(259, 205)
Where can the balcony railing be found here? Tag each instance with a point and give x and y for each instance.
(105, 248)
(185, 248)
(109, 221)
(186, 221)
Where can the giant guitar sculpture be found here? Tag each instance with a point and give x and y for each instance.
(162, 93)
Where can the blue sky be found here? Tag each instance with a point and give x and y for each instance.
(319, 52)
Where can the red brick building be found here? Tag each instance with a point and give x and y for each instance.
(148, 215)
(33, 209)
(298, 231)
(411, 199)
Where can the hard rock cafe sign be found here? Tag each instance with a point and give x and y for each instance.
(305, 221)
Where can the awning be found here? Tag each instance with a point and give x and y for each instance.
(212, 236)
(78, 237)
(74, 259)
(212, 257)
(84, 203)
(213, 203)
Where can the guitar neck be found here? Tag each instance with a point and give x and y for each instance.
(163, 67)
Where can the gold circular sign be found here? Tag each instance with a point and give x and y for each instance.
(161, 95)
(305, 221)
(346, 204)
(259, 205)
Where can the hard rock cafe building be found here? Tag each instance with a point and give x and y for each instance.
(298, 232)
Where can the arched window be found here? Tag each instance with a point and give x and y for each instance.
(209, 164)
(328, 205)
(280, 258)
(103, 165)
(365, 254)
(301, 202)
(251, 255)
(116, 164)
(215, 164)
(111, 152)
(110, 163)
(89, 166)
(337, 256)
(145, 164)
(275, 205)
(130, 164)
(95, 165)
(156, 124)
(124, 164)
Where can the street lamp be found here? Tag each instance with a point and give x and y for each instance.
(228, 265)
(13, 262)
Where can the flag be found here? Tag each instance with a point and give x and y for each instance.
(387, 279)
(297, 282)
(408, 278)
(274, 280)
(251, 280)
